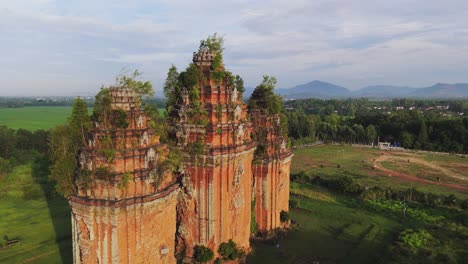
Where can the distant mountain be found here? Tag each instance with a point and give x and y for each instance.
(325, 90)
(316, 89)
(384, 91)
(442, 90)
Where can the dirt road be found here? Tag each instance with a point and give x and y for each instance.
(390, 173)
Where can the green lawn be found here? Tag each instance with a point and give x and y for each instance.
(42, 226)
(329, 231)
(332, 228)
(33, 118)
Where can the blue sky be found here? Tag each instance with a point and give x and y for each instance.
(72, 47)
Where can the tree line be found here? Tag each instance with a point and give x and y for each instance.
(413, 129)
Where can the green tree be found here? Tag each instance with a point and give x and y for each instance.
(190, 79)
(423, 138)
(79, 120)
(102, 106)
(144, 90)
(263, 97)
(228, 250)
(7, 142)
(239, 84)
(371, 134)
(213, 42)
(63, 154)
(171, 88)
(202, 254)
(407, 139)
(284, 216)
(65, 141)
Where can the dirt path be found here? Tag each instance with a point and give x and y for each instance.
(408, 177)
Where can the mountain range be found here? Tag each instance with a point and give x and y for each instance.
(325, 90)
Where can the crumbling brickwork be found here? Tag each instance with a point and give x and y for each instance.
(271, 169)
(216, 198)
(129, 208)
(126, 211)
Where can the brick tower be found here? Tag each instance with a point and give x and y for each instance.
(215, 203)
(124, 209)
(271, 170)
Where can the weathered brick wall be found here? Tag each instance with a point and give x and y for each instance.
(126, 213)
(270, 171)
(142, 232)
(271, 192)
(215, 203)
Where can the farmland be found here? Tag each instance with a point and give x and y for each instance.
(33, 118)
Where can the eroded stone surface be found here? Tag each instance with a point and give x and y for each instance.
(271, 172)
(216, 203)
(136, 212)
(126, 211)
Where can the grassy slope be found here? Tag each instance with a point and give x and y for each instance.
(329, 231)
(42, 226)
(338, 229)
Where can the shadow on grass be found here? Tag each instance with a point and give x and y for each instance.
(58, 208)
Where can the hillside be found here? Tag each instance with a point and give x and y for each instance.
(442, 90)
(384, 91)
(325, 90)
(316, 89)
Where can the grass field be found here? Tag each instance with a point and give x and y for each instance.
(41, 225)
(331, 228)
(330, 161)
(37, 117)
(329, 231)
(33, 118)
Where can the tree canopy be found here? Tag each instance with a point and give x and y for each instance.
(65, 141)
(264, 99)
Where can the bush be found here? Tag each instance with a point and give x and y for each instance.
(284, 216)
(450, 200)
(464, 205)
(229, 250)
(202, 254)
(120, 118)
(415, 239)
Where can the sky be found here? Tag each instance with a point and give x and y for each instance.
(73, 47)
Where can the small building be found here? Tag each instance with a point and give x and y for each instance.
(384, 145)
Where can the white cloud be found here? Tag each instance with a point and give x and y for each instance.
(86, 43)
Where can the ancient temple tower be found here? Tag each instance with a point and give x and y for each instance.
(124, 209)
(271, 168)
(214, 133)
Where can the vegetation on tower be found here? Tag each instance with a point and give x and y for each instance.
(66, 140)
(191, 80)
(264, 99)
(265, 104)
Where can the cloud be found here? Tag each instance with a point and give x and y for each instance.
(81, 44)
